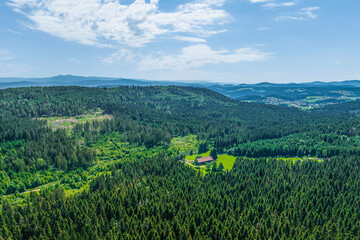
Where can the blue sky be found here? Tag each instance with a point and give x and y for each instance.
(237, 41)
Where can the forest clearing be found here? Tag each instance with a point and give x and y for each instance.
(71, 122)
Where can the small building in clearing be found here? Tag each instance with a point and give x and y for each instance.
(204, 160)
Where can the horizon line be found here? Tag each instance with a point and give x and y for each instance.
(194, 81)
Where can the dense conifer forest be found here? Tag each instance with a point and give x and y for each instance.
(108, 163)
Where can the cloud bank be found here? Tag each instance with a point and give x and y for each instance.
(132, 26)
(105, 22)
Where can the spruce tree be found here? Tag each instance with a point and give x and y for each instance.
(220, 167)
(213, 154)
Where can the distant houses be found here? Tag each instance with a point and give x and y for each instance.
(204, 160)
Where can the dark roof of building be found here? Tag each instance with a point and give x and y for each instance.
(205, 159)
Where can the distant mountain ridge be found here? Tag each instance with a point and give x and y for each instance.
(302, 95)
(71, 80)
(74, 80)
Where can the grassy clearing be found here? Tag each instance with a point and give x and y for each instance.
(306, 108)
(347, 98)
(193, 157)
(70, 122)
(314, 99)
(227, 160)
(184, 144)
(295, 159)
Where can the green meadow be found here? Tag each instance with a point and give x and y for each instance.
(292, 160)
(227, 160)
(193, 157)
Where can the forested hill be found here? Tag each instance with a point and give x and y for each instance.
(348, 108)
(109, 163)
(179, 110)
(147, 116)
(59, 101)
(301, 95)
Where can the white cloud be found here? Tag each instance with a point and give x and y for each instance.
(300, 15)
(122, 54)
(199, 55)
(190, 39)
(284, 18)
(259, 1)
(309, 12)
(75, 60)
(274, 5)
(263, 29)
(108, 22)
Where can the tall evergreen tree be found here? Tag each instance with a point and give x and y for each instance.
(213, 154)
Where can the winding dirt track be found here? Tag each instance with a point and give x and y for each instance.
(35, 190)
